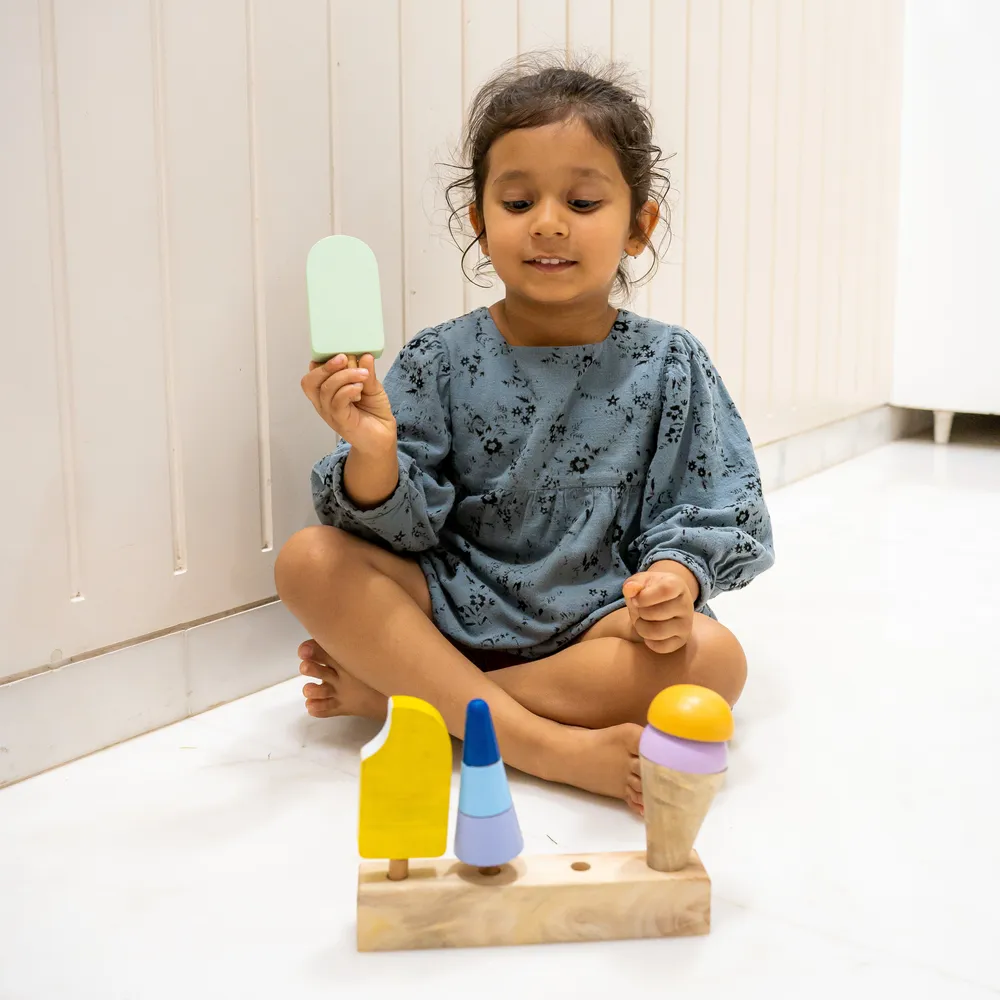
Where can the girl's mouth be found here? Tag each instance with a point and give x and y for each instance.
(549, 265)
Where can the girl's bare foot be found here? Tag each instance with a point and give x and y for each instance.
(605, 761)
(337, 693)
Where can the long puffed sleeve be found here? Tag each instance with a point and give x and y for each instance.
(410, 520)
(703, 506)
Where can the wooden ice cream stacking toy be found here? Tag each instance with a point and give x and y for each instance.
(683, 759)
(489, 894)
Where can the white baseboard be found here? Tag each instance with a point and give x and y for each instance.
(58, 715)
(53, 717)
(783, 462)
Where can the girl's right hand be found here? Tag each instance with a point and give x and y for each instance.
(353, 402)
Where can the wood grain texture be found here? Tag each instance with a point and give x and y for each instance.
(676, 805)
(533, 900)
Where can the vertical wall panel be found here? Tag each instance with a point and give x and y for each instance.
(813, 114)
(168, 165)
(832, 213)
(632, 47)
(763, 86)
(734, 125)
(431, 81)
(852, 209)
(669, 105)
(890, 87)
(589, 28)
(489, 39)
(35, 582)
(541, 25)
(701, 169)
(871, 282)
(292, 125)
(105, 73)
(788, 162)
(367, 161)
(210, 316)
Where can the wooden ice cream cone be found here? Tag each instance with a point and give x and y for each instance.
(675, 805)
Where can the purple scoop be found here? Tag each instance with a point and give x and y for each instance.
(690, 756)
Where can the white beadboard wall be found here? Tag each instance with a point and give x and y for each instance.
(167, 164)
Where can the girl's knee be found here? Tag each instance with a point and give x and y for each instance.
(718, 660)
(712, 658)
(310, 554)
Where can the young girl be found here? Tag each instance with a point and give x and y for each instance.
(540, 501)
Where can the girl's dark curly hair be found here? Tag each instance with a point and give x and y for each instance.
(538, 90)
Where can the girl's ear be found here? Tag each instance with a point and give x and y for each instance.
(646, 221)
(477, 227)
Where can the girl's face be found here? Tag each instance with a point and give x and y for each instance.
(557, 213)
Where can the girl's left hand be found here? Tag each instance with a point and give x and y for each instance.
(661, 608)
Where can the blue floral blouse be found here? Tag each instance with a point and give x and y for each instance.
(533, 481)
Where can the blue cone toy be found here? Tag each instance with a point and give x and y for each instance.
(487, 833)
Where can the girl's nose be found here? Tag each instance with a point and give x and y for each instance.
(548, 220)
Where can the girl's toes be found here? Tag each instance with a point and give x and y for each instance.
(323, 673)
(634, 802)
(320, 691)
(307, 651)
(322, 708)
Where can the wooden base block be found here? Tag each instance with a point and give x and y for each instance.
(533, 900)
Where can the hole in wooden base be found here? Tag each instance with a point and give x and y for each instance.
(580, 866)
(491, 870)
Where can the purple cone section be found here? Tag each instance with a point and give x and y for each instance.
(689, 756)
(486, 841)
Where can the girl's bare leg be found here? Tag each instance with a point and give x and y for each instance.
(608, 677)
(611, 676)
(603, 680)
(369, 610)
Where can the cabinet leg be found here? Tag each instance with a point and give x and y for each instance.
(942, 425)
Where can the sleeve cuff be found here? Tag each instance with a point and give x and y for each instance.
(697, 566)
(384, 510)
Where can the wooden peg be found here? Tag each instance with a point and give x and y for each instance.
(399, 869)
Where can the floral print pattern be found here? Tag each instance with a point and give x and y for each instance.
(535, 480)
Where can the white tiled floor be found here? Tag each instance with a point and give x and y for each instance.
(855, 850)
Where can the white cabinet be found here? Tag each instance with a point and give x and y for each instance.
(947, 336)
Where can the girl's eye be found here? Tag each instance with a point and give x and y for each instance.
(517, 206)
(582, 205)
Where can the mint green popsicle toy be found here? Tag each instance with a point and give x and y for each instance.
(345, 300)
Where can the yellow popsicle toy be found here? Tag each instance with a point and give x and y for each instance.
(405, 786)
